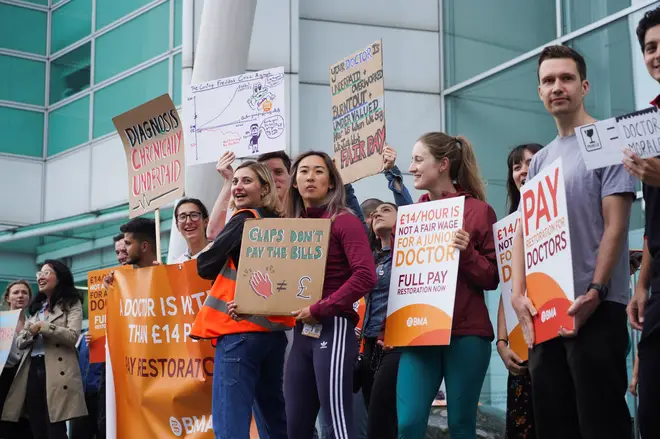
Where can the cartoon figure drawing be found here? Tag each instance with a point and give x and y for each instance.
(255, 133)
(260, 95)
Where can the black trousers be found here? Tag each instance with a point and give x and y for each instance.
(579, 384)
(10, 430)
(649, 371)
(87, 427)
(379, 374)
(36, 404)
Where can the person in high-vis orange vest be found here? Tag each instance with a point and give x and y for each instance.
(249, 360)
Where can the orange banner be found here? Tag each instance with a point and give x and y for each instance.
(163, 378)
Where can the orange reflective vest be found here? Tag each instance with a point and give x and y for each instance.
(212, 321)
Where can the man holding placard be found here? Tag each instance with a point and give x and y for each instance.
(644, 314)
(580, 378)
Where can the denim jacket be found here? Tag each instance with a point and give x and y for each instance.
(376, 309)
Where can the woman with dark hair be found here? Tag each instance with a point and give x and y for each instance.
(249, 359)
(192, 219)
(446, 167)
(16, 297)
(320, 366)
(48, 383)
(519, 409)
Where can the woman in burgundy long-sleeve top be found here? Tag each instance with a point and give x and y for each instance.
(446, 167)
(319, 370)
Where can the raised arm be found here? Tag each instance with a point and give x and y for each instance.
(395, 178)
(226, 244)
(218, 216)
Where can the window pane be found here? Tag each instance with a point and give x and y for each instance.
(23, 80)
(68, 126)
(178, 21)
(108, 11)
(116, 51)
(70, 73)
(70, 23)
(578, 13)
(23, 29)
(23, 132)
(479, 35)
(609, 69)
(128, 93)
(176, 83)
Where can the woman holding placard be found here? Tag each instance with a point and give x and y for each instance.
(446, 167)
(519, 409)
(320, 367)
(249, 363)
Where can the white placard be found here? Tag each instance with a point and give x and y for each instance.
(244, 114)
(504, 231)
(602, 143)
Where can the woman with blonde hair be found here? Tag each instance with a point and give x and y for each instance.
(319, 371)
(446, 167)
(249, 362)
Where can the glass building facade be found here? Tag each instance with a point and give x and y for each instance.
(467, 67)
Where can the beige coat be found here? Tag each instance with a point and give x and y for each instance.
(64, 387)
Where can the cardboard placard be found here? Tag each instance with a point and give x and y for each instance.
(245, 114)
(282, 265)
(602, 143)
(153, 141)
(424, 274)
(548, 259)
(504, 231)
(8, 322)
(358, 113)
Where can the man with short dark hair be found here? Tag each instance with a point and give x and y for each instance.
(279, 164)
(120, 249)
(579, 379)
(644, 314)
(368, 207)
(140, 241)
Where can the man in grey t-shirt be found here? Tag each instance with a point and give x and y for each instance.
(579, 379)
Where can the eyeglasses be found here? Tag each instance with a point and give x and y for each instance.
(44, 273)
(194, 216)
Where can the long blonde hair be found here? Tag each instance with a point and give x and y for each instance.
(463, 168)
(335, 200)
(270, 200)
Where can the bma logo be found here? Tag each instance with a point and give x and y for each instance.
(417, 321)
(590, 137)
(548, 314)
(191, 425)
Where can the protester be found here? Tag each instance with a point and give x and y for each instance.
(368, 207)
(319, 371)
(644, 314)
(48, 383)
(580, 378)
(519, 407)
(87, 427)
(192, 220)
(120, 249)
(16, 297)
(250, 350)
(446, 167)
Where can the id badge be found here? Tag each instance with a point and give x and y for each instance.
(313, 331)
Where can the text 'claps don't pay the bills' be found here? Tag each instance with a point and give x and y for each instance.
(245, 114)
(358, 112)
(424, 273)
(282, 265)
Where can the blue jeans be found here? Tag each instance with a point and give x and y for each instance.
(249, 371)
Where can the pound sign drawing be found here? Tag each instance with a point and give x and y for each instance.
(301, 291)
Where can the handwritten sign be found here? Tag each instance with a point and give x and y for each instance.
(282, 265)
(424, 272)
(358, 115)
(504, 232)
(244, 114)
(547, 242)
(601, 143)
(153, 138)
(96, 304)
(8, 322)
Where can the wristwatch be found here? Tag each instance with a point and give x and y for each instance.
(601, 288)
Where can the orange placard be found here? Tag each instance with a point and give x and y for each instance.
(163, 378)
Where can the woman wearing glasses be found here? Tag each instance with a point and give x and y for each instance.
(48, 385)
(192, 219)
